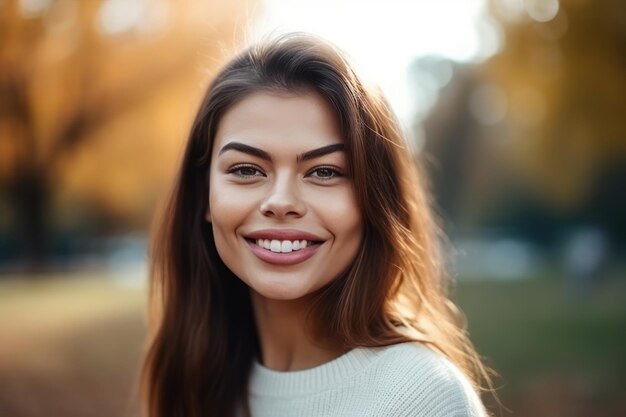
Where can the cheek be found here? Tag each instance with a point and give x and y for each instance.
(228, 203)
(343, 218)
(223, 197)
(352, 223)
(342, 212)
(226, 212)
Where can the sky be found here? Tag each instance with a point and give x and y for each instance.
(383, 38)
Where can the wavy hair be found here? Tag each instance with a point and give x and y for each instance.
(204, 339)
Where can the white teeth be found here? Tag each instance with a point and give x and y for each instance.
(282, 246)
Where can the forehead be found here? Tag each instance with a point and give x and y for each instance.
(268, 119)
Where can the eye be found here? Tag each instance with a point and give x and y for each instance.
(246, 171)
(325, 173)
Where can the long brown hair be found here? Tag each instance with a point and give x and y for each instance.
(204, 339)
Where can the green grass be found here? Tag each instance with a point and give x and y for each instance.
(533, 329)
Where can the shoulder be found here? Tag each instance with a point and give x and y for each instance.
(411, 379)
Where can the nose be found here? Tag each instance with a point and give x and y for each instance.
(283, 199)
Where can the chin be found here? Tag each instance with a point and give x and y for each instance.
(279, 290)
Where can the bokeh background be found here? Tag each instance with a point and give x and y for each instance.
(517, 108)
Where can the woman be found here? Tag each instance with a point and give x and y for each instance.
(296, 270)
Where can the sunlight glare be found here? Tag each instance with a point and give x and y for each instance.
(385, 38)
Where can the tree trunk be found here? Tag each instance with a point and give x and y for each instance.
(30, 195)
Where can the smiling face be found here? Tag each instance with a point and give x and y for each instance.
(281, 202)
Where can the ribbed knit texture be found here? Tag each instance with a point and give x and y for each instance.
(406, 379)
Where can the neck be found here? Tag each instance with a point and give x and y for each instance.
(286, 345)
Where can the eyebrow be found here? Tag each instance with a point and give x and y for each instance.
(250, 150)
(324, 150)
(260, 153)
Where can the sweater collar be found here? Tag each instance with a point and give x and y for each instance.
(268, 382)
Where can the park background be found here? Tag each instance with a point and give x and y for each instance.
(516, 107)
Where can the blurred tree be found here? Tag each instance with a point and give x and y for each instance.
(94, 100)
(534, 138)
(563, 71)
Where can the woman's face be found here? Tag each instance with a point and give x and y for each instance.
(281, 202)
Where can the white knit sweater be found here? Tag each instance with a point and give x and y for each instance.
(406, 379)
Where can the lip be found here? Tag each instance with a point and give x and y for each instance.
(287, 258)
(278, 258)
(283, 234)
